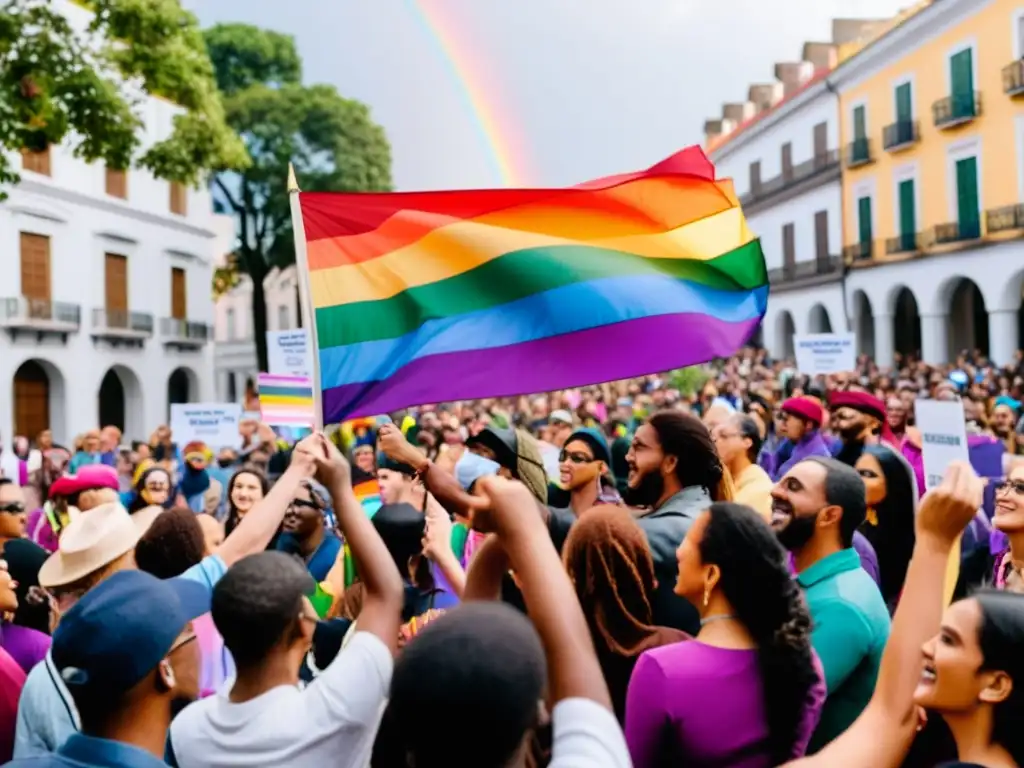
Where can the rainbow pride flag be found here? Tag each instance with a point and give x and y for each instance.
(286, 401)
(425, 297)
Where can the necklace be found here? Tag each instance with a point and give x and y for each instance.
(716, 617)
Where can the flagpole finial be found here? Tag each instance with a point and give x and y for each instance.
(293, 184)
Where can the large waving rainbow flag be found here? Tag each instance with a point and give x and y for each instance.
(426, 297)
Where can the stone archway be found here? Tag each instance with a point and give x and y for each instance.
(785, 330)
(120, 402)
(967, 319)
(818, 320)
(182, 387)
(906, 323)
(864, 324)
(38, 397)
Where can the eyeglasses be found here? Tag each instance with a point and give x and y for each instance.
(13, 508)
(1017, 486)
(575, 457)
(303, 503)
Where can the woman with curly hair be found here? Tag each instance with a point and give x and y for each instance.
(610, 565)
(747, 691)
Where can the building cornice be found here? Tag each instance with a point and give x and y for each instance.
(894, 44)
(109, 206)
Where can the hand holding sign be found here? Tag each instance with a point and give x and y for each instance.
(949, 508)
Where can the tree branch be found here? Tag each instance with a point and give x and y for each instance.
(224, 191)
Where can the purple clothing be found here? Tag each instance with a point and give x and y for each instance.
(700, 706)
(810, 445)
(40, 531)
(868, 558)
(26, 646)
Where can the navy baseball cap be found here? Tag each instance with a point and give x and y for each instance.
(595, 440)
(121, 629)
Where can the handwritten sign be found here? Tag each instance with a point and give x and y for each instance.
(943, 437)
(819, 354)
(289, 353)
(215, 424)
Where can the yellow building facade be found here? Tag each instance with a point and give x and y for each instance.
(932, 136)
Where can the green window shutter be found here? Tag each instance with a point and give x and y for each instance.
(860, 127)
(968, 205)
(904, 104)
(864, 219)
(908, 215)
(961, 78)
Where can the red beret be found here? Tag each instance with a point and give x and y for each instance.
(859, 401)
(89, 477)
(805, 408)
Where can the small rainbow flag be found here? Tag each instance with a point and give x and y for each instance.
(286, 400)
(425, 297)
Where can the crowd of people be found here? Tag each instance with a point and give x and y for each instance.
(735, 565)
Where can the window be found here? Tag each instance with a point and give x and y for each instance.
(967, 201)
(36, 162)
(117, 183)
(788, 247)
(35, 271)
(787, 161)
(961, 81)
(820, 140)
(865, 230)
(232, 385)
(179, 300)
(908, 215)
(755, 176)
(115, 273)
(179, 199)
(860, 123)
(904, 103)
(283, 319)
(821, 236)
(229, 321)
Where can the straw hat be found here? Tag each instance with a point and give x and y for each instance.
(93, 540)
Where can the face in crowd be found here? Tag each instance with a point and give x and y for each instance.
(246, 490)
(649, 466)
(394, 486)
(577, 466)
(156, 487)
(12, 512)
(851, 424)
(305, 513)
(799, 506)
(364, 459)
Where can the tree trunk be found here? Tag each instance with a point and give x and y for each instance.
(257, 271)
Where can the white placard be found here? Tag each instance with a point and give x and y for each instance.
(819, 354)
(943, 437)
(289, 353)
(215, 424)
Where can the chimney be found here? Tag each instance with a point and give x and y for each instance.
(821, 55)
(765, 95)
(738, 112)
(846, 31)
(793, 75)
(712, 131)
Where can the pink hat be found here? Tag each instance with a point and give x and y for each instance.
(89, 477)
(805, 408)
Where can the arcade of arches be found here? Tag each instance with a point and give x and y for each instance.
(38, 394)
(966, 323)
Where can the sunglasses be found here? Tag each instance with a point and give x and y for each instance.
(575, 457)
(13, 508)
(296, 503)
(1017, 486)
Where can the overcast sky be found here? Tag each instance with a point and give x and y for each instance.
(578, 88)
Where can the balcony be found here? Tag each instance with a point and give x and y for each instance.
(793, 177)
(1005, 219)
(956, 110)
(952, 233)
(804, 274)
(900, 135)
(858, 152)
(1013, 78)
(902, 244)
(859, 252)
(40, 317)
(184, 334)
(120, 326)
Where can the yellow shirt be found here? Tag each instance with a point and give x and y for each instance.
(754, 488)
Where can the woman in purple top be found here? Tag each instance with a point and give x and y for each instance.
(748, 691)
(800, 423)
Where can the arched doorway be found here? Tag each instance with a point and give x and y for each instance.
(120, 402)
(906, 324)
(757, 339)
(819, 321)
(864, 324)
(182, 387)
(785, 330)
(37, 393)
(968, 319)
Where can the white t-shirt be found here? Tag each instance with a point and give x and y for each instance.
(333, 721)
(586, 735)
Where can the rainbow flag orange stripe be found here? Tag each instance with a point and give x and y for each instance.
(432, 296)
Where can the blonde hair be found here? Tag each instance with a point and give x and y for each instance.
(530, 466)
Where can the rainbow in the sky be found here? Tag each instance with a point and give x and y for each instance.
(495, 130)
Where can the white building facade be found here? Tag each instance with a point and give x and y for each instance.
(235, 345)
(105, 310)
(786, 168)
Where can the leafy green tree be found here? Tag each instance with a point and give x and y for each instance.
(60, 85)
(332, 142)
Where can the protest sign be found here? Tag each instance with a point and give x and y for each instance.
(943, 437)
(286, 400)
(215, 424)
(819, 354)
(289, 353)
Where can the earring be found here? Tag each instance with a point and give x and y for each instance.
(707, 595)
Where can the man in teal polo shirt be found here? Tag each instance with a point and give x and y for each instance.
(816, 508)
